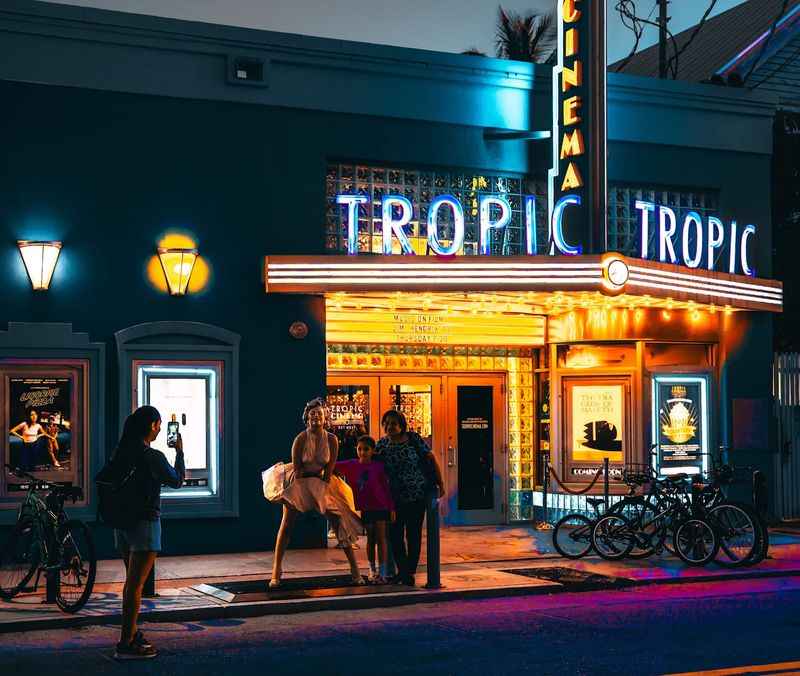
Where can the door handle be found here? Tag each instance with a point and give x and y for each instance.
(451, 456)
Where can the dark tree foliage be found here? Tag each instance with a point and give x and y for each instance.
(525, 37)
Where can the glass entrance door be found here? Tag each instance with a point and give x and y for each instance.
(475, 458)
(461, 418)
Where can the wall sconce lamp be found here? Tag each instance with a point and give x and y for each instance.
(40, 260)
(178, 265)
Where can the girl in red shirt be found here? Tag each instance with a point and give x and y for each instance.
(373, 499)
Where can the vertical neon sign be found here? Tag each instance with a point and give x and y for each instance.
(578, 174)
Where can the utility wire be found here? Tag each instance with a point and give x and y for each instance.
(627, 12)
(688, 42)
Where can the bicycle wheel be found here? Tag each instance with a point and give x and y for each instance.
(648, 530)
(695, 542)
(77, 565)
(739, 534)
(572, 536)
(612, 537)
(19, 558)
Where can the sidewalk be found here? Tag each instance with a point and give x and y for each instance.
(476, 562)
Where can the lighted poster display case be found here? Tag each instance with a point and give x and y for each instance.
(43, 408)
(190, 372)
(596, 424)
(680, 419)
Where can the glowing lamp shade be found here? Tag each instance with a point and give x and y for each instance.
(40, 260)
(178, 265)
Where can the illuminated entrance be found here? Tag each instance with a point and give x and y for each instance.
(501, 362)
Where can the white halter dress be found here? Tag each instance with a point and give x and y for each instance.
(311, 494)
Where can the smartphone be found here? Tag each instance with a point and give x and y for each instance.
(172, 433)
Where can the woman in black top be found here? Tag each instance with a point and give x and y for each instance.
(411, 467)
(140, 544)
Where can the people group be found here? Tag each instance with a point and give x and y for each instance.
(382, 492)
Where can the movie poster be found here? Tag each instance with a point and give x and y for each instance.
(680, 411)
(348, 408)
(597, 423)
(39, 416)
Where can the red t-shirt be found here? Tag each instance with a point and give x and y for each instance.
(369, 483)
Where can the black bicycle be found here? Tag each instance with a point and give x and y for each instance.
(743, 534)
(572, 534)
(46, 541)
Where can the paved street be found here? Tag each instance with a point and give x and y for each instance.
(648, 630)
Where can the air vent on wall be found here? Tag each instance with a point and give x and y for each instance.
(247, 70)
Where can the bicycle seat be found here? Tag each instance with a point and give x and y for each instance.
(595, 502)
(677, 478)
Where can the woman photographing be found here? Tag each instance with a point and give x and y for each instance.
(140, 544)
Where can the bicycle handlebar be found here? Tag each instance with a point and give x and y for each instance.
(17, 472)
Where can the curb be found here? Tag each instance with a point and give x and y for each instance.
(285, 607)
(296, 606)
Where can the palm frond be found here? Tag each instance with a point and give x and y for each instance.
(529, 37)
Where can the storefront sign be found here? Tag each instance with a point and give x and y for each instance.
(348, 410)
(695, 241)
(431, 328)
(578, 175)
(680, 423)
(397, 212)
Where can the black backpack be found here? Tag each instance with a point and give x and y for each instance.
(120, 497)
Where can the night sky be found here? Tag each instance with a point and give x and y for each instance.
(441, 25)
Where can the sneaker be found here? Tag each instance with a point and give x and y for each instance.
(140, 640)
(133, 651)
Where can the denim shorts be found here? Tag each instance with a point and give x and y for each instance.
(145, 536)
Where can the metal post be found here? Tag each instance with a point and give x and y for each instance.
(51, 585)
(545, 486)
(605, 482)
(662, 38)
(433, 546)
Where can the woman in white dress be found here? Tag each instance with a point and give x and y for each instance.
(308, 484)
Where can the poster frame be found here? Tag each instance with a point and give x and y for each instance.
(54, 343)
(568, 383)
(704, 379)
(76, 371)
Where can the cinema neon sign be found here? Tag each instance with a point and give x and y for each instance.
(397, 212)
(693, 242)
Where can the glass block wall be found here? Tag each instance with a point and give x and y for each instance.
(420, 187)
(623, 218)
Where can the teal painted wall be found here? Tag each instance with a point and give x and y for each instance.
(109, 173)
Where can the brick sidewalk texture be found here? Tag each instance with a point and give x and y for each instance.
(475, 563)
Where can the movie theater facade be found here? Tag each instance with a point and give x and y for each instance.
(245, 220)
